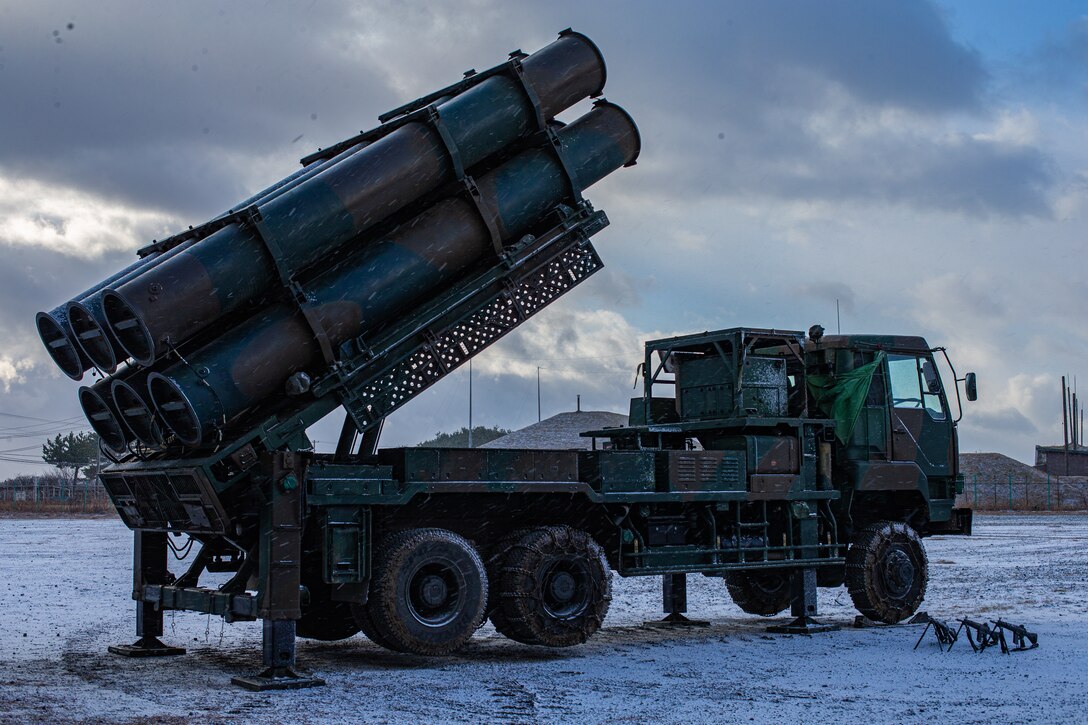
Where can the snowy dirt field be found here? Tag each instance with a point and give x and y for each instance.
(66, 597)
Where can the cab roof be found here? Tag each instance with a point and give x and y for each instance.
(906, 343)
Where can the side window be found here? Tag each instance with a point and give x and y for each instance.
(931, 389)
(903, 380)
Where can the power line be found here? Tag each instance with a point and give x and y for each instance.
(44, 433)
(66, 421)
(20, 450)
(30, 417)
(24, 459)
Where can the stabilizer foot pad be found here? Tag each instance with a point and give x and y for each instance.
(675, 620)
(277, 678)
(803, 625)
(146, 647)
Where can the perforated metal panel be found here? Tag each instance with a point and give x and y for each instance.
(497, 315)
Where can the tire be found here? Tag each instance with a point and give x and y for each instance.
(494, 564)
(428, 592)
(555, 588)
(324, 618)
(363, 619)
(765, 593)
(887, 571)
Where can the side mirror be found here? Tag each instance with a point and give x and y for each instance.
(970, 386)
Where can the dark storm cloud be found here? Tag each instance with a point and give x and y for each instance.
(173, 107)
(884, 54)
(835, 101)
(165, 106)
(34, 279)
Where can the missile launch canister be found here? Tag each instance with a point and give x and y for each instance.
(398, 253)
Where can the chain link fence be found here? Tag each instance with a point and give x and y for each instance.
(53, 494)
(1034, 493)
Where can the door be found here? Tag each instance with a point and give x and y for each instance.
(920, 424)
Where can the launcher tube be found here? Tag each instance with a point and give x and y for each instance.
(250, 364)
(233, 267)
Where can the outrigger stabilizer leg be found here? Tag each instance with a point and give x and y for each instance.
(803, 607)
(280, 557)
(279, 661)
(148, 567)
(674, 602)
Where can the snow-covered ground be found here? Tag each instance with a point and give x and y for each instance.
(65, 597)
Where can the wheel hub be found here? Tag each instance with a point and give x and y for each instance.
(433, 591)
(563, 586)
(898, 573)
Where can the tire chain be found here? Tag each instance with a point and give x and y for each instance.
(523, 628)
(861, 559)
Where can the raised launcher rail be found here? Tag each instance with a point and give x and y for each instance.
(372, 379)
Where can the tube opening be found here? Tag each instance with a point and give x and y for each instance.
(569, 33)
(174, 408)
(92, 337)
(61, 345)
(137, 415)
(128, 328)
(102, 418)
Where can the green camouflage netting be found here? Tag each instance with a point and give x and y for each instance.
(841, 396)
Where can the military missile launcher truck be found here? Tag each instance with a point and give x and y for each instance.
(778, 462)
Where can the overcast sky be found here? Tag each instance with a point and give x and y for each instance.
(923, 163)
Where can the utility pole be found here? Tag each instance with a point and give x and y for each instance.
(470, 404)
(97, 468)
(1076, 428)
(838, 320)
(537, 393)
(1065, 425)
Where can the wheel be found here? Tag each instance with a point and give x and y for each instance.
(428, 592)
(887, 571)
(555, 588)
(765, 593)
(495, 558)
(324, 618)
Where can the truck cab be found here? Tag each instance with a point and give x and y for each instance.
(896, 448)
